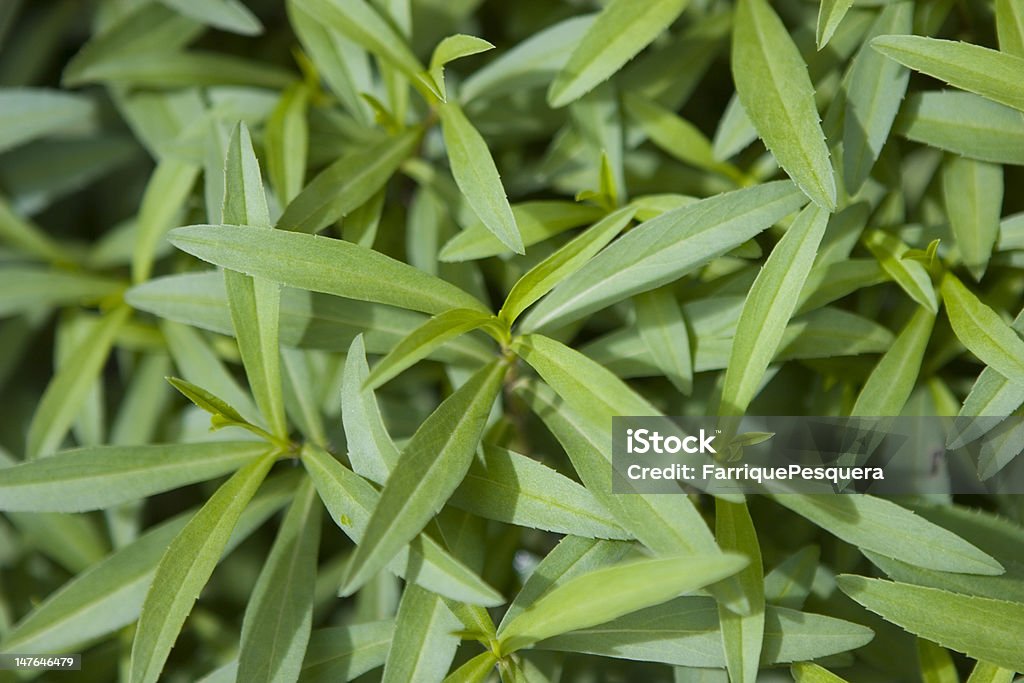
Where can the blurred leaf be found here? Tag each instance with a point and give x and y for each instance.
(742, 635)
(660, 321)
(287, 142)
(789, 583)
(936, 663)
(893, 379)
(965, 124)
(808, 672)
(230, 15)
(1010, 27)
(830, 14)
(973, 194)
(30, 113)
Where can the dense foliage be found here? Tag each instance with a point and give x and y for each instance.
(316, 314)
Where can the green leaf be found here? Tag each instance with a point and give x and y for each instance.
(770, 303)
(69, 389)
(515, 489)
(984, 629)
(973, 194)
(808, 672)
(990, 673)
(685, 632)
(659, 319)
(424, 640)
(255, 302)
(537, 221)
(30, 113)
(830, 14)
(935, 663)
(664, 249)
(450, 49)
(287, 143)
(584, 600)
(982, 331)
(182, 69)
(622, 29)
(230, 15)
(893, 379)
(361, 22)
(910, 275)
(206, 400)
(977, 69)
(424, 339)
(166, 193)
(29, 238)
(431, 467)
(789, 583)
(965, 124)
(776, 92)
(278, 618)
(109, 594)
(351, 500)
(742, 635)
(884, 527)
(343, 653)
(348, 183)
(874, 90)
(28, 288)
(370, 449)
(477, 176)
(1010, 27)
(475, 670)
(540, 279)
(186, 566)
(310, 262)
(103, 476)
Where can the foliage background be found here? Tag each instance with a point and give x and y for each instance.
(883, 280)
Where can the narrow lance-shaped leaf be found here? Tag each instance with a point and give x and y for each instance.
(103, 476)
(166, 192)
(230, 15)
(69, 388)
(768, 307)
(659, 318)
(429, 470)
(664, 249)
(186, 567)
(424, 339)
(830, 14)
(477, 176)
(808, 672)
(475, 670)
(424, 641)
(348, 183)
(973, 194)
(28, 113)
(874, 91)
(312, 262)
(990, 673)
(351, 500)
(982, 331)
(278, 618)
(450, 49)
(585, 601)
(910, 275)
(984, 629)
(775, 89)
(539, 280)
(935, 663)
(742, 635)
(1010, 27)
(989, 73)
(370, 449)
(891, 382)
(622, 29)
(287, 143)
(886, 528)
(789, 583)
(255, 302)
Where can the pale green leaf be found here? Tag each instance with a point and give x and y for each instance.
(475, 670)
(773, 85)
(347, 184)
(664, 249)
(287, 143)
(540, 279)
(982, 331)
(69, 389)
(965, 124)
(182, 69)
(103, 476)
(770, 303)
(424, 640)
(891, 382)
(370, 449)
(351, 500)
(990, 673)
(884, 527)
(343, 653)
(742, 635)
(166, 193)
(27, 288)
(984, 628)
(185, 568)
(424, 339)
(980, 70)
(659, 319)
(910, 275)
(30, 113)
(621, 30)
(1010, 27)
(431, 467)
(278, 618)
(310, 262)
(935, 663)
(808, 672)
(584, 600)
(448, 50)
(830, 14)
(477, 176)
(973, 195)
(230, 15)
(789, 583)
